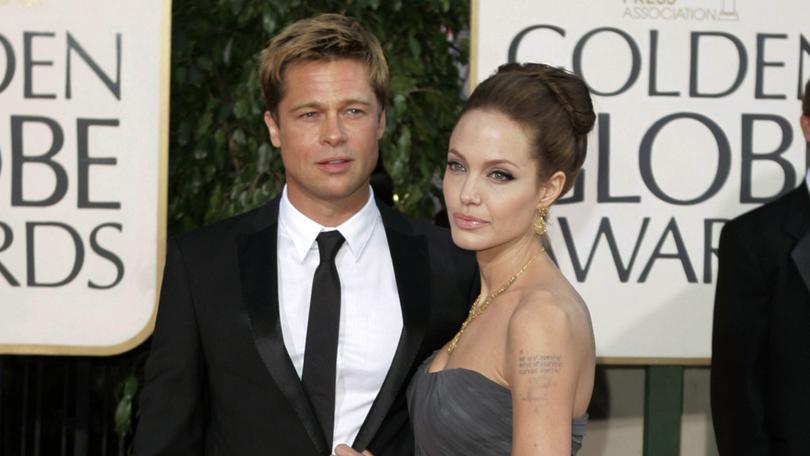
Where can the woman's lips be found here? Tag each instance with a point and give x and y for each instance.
(468, 222)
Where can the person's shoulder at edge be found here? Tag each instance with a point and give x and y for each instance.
(231, 227)
(768, 216)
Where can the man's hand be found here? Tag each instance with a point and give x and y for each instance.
(346, 450)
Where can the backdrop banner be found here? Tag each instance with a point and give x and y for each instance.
(698, 105)
(83, 122)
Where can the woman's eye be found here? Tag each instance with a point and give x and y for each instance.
(502, 176)
(454, 166)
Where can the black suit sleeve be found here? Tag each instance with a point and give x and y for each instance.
(739, 342)
(172, 407)
(394, 437)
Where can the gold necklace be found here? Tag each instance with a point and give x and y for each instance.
(480, 305)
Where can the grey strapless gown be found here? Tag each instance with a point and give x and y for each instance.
(462, 412)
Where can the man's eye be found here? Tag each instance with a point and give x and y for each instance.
(309, 115)
(355, 111)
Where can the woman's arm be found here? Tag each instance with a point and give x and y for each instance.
(544, 355)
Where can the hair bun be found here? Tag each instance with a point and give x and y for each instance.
(572, 94)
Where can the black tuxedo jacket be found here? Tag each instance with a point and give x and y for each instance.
(760, 377)
(219, 380)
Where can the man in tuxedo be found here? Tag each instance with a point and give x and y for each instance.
(760, 377)
(296, 327)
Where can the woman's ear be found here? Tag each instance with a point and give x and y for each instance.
(551, 189)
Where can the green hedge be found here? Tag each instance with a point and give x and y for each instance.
(221, 161)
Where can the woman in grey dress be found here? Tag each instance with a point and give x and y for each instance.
(518, 376)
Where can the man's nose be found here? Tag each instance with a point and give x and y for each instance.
(333, 131)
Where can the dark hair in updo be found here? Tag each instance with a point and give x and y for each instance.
(552, 104)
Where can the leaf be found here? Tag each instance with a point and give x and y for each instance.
(204, 123)
(269, 22)
(183, 133)
(130, 386)
(238, 136)
(226, 53)
(416, 48)
(264, 156)
(205, 63)
(400, 104)
(404, 141)
(219, 138)
(241, 108)
(125, 392)
(123, 417)
(402, 84)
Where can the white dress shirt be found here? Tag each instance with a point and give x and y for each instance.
(370, 313)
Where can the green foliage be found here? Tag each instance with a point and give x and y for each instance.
(221, 161)
(125, 394)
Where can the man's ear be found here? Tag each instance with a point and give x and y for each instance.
(805, 123)
(272, 129)
(551, 189)
(381, 125)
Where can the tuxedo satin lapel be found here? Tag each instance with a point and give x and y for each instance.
(801, 256)
(797, 216)
(409, 253)
(796, 225)
(258, 270)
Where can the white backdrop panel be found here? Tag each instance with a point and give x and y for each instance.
(698, 105)
(82, 151)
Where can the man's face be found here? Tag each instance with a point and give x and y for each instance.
(328, 126)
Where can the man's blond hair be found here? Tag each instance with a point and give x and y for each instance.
(325, 37)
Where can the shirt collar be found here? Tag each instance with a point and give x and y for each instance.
(302, 230)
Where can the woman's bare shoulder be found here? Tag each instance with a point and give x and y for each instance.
(559, 307)
(550, 319)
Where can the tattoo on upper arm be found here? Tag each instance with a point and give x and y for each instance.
(540, 370)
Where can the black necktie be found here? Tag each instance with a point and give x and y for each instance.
(320, 352)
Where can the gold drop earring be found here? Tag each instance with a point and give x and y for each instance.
(539, 224)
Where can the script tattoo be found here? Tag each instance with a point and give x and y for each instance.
(540, 370)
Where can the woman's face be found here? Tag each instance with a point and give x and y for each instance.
(491, 184)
